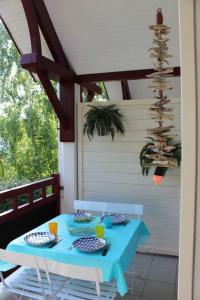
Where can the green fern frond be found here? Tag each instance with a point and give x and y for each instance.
(103, 120)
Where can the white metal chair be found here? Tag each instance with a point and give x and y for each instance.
(41, 279)
(130, 209)
(82, 282)
(125, 208)
(27, 280)
(110, 207)
(95, 206)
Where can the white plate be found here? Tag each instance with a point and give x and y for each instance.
(89, 244)
(39, 239)
(82, 217)
(118, 219)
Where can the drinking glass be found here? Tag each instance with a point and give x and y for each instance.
(53, 228)
(99, 230)
(108, 221)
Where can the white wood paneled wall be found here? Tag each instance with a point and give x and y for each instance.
(110, 171)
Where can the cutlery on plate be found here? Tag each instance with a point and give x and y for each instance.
(105, 249)
(55, 243)
(125, 222)
(71, 247)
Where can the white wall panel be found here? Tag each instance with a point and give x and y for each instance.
(139, 88)
(110, 171)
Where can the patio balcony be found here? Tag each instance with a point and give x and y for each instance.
(109, 48)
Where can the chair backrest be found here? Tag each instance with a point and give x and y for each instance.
(125, 208)
(30, 261)
(110, 207)
(90, 205)
(70, 270)
(20, 259)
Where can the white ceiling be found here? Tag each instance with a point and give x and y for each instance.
(100, 35)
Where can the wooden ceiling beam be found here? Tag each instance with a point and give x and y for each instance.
(14, 41)
(91, 87)
(32, 25)
(50, 34)
(33, 61)
(55, 102)
(54, 44)
(38, 17)
(121, 75)
(90, 96)
(60, 69)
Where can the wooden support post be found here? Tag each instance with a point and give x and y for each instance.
(56, 190)
(67, 99)
(81, 93)
(57, 105)
(125, 90)
(90, 96)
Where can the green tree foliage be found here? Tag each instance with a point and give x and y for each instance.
(28, 125)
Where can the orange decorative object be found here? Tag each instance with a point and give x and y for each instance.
(158, 179)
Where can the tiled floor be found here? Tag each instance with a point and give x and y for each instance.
(155, 279)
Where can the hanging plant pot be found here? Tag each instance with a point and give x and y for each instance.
(103, 121)
(159, 175)
(147, 162)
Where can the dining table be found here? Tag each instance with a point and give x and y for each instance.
(123, 241)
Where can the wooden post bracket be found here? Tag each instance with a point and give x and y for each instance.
(60, 70)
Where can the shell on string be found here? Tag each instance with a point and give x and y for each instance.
(162, 116)
(169, 148)
(158, 27)
(164, 41)
(168, 137)
(165, 163)
(159, 150)
(159, 108)
(162, 73)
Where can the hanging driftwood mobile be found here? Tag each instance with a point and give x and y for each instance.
(160, 152)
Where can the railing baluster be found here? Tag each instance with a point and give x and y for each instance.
(28, 189)
(56, 191)
(30, 197)
(14, 203)
(43, 192)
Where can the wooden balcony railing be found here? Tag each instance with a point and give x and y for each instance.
(36, 195)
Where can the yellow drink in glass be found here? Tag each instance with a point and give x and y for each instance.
(53, 228)
(99, 230)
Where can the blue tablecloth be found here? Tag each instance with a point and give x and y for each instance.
(124, 241)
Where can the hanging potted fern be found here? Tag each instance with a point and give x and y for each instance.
(146, 161)
(104, 121)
